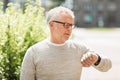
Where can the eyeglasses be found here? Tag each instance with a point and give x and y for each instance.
(66, 25)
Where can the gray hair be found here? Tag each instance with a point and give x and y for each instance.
(55, 12)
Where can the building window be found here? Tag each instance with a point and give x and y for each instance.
(88, 18)
(112, 6)
(100, 7)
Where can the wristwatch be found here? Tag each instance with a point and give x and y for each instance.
(98, 61)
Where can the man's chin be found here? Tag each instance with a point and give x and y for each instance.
(66, 38)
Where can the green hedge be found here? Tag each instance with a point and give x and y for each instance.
(18, 31)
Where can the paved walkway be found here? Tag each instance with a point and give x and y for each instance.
(106, 43)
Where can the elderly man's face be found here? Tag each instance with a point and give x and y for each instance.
(61, 28)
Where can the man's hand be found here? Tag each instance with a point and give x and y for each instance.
(89, 59)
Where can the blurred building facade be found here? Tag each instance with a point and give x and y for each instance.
(94, 13)
(97, 13)
(88, 13)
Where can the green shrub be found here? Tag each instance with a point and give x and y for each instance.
(18, 31)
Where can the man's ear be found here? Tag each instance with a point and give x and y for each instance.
(51, 24)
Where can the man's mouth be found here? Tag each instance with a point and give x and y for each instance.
(67, 34)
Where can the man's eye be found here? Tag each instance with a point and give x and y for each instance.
(69, 24)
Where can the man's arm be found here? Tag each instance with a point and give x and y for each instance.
(28, 68)
(104, 65)
(98, 62)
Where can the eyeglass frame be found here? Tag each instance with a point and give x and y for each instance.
(65, 25)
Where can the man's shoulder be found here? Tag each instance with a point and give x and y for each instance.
(40, 43)
(76, 43)
(38, 46)
(79, 45)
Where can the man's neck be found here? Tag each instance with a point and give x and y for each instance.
(55, 41)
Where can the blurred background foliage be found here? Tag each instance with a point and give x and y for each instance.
(57, 3)
(19, 30)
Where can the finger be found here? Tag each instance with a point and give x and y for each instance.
(86, 62)
(94, 57)
(89, 57)
(86, 59)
